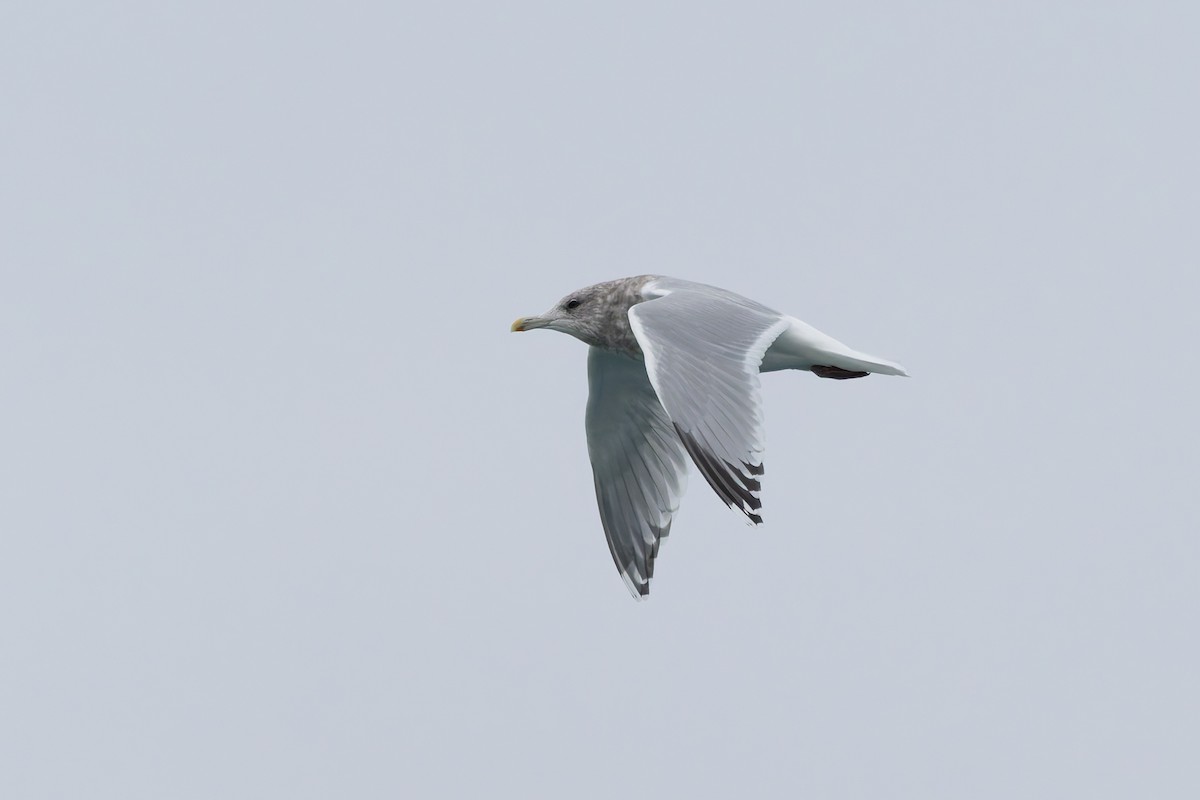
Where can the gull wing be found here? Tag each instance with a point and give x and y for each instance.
(703, 347)
(638, 463)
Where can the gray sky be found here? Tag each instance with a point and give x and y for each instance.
(287, 512)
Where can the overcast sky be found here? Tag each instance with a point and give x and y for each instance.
(286, 511)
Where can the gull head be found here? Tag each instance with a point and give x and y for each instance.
(588, 314)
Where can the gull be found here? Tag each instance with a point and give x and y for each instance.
(673, 373)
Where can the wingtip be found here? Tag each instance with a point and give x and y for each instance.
(638, 587)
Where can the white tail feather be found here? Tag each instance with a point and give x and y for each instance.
(802, 346)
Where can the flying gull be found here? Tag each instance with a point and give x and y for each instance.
(673, 370)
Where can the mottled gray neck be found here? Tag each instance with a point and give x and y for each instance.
(614, 299)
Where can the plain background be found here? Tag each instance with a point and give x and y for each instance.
(286, 511)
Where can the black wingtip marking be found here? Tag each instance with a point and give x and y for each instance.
(751, 484)
(717, 478)
(720, 477)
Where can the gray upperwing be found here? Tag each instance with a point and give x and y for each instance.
(703, 347)
(638, 463)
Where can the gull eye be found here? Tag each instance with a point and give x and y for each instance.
(573, 303)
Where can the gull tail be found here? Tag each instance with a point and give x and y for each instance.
(802, 346)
